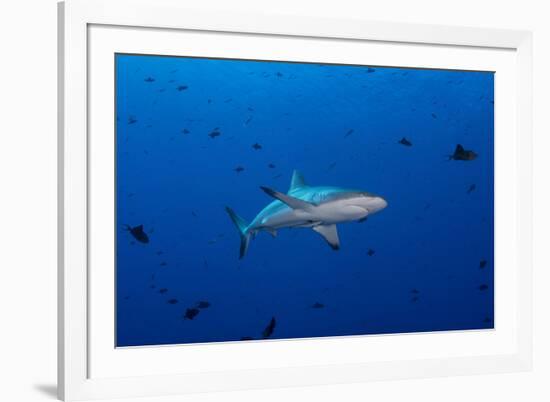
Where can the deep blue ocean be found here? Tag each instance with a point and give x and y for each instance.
(195, 135)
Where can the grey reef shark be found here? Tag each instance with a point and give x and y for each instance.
(320, 208)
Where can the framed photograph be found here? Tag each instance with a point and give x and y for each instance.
(252, 201)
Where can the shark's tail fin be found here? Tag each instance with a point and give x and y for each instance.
(241, 225)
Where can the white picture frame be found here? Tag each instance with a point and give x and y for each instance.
(88, 367)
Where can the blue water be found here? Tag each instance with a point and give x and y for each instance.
(174, 177)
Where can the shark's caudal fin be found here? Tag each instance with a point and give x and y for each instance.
(241, 225)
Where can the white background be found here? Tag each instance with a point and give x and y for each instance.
(28, 200)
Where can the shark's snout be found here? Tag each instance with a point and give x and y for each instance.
(377, 204)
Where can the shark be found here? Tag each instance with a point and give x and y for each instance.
(320, 208)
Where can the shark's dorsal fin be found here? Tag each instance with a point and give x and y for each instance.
(292, 202)
(330, 234)
(297, 181)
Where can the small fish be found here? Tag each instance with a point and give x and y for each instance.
(215, 133)
(317, 305)
(415, 291)
(213, 241)
(163, 291)
(404, 141)
(138, 233)
(250, 109)
(248, 121)
(348, 133)
(132, 120)
(203, 304)
(268, 331)
(271, 166)
(191, 313)
(277, 176)
(483, 287)
(434, 116)
(172, 301)
(331, 166)
(471, 188)
(149, 79)
(163, 264)
(414, 299)
(482, 264)
(279, 74)
(239, 169)
(194, 213)
(185, 131)
(370, 252)
(181, 87)
(256, 146)
(462, 154)
(370, 70)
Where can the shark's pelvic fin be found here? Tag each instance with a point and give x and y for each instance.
(330, 234)
(297, 181)
(242, 226)
(292, 202)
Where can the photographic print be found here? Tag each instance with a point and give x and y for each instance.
(262, 199)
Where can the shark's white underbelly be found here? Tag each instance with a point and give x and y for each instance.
(339, 212)
(326, 213)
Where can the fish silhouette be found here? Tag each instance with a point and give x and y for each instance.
(149, 79)
(203, 304)
(138, 233)
(471, 188)
(238, 169)
(404, 141)
(268, 331)
(462, 154)
(215, 133)
(256, 146)
(191, 313)
(318, 305)
(370, 252)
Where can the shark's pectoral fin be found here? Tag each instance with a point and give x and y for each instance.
(272, 232)
(330, 234)
(292, 202)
